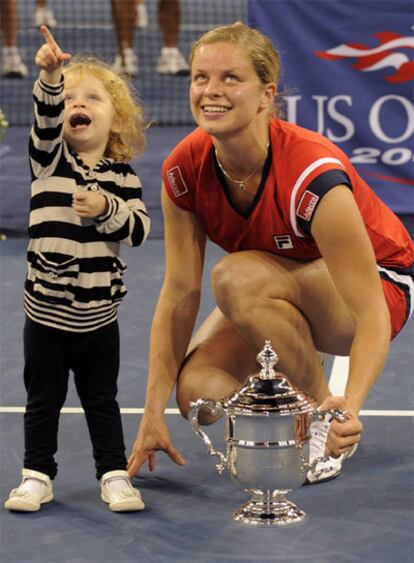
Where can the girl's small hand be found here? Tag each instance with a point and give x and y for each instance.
(50, 57)
(89, 204)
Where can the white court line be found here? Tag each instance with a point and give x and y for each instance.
(78, 410)
(337, 382)
(339, 375)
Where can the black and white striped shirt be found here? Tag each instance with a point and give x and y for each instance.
(74, 270)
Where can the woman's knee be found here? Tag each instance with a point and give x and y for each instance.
(245, 280)
(189, 391)
(234, 279)
(207, 382)
(204, 417)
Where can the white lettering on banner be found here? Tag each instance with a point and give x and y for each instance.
(391, 157)
(335, 115)
(375, 124)
(291, 106)
(327, 107)
(346, 121)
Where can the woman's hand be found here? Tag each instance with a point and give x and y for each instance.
(50, 58)
(342, 435)
(153, 436)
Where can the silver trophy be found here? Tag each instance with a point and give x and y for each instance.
(267, 437)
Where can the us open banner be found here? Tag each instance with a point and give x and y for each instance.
(348, 73)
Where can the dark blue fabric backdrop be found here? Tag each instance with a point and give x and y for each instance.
(348, 73)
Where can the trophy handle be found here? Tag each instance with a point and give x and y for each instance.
(319, 414)
(214, 407)
(338, 414)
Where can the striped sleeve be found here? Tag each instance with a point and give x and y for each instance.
(45, 143)
(126, 219)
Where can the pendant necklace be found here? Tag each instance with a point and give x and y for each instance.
(240, 183)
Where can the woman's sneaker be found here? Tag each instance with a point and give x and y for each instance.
(12, 65)
(118, 492)
(325, 467)
(126, 62)
(34, 490)
(171, 61)
(44, 16)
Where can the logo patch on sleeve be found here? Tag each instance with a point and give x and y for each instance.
(176, 180)
(307, 205)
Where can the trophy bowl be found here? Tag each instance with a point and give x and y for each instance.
(267, 438)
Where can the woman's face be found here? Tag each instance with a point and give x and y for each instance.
(226, 94)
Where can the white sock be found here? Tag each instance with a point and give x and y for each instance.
(118, 484)
(32, 486)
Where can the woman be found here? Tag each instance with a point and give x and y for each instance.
(316, 261)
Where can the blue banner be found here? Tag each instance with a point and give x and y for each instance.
(348, 73)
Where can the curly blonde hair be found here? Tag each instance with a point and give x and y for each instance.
(257, 45)
(128, 140)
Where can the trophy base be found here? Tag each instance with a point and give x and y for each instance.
(269, 508)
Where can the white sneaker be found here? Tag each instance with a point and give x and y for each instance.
(126, 62)
(325, 467)
(142, 16)
(44, 16)
(12, 64)
(29, 496)
(118, 492)
(171, 61)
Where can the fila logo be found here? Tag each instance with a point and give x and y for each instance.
(176, 180)
(283, 242)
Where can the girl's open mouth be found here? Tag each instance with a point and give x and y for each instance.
(79, 120)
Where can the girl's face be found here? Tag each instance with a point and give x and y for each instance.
(226, 94)
(89, 113)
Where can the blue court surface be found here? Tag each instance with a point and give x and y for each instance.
(365, 515)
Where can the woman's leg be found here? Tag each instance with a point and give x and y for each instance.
(218, 362)
(169, 17)
(266, 297)
(124, 16)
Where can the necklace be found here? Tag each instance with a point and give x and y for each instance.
(240, 183)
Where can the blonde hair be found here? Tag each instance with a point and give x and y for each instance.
(258, 47)
(128, 140)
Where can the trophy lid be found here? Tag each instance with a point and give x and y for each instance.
(268, 391)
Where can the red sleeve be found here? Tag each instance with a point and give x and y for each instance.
(311, 171)
(178, 176)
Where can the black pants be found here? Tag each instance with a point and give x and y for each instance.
(94, 359)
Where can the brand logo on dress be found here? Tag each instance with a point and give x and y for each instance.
(307, 205)
(389, 53)
(176, 180)
(283, 242)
